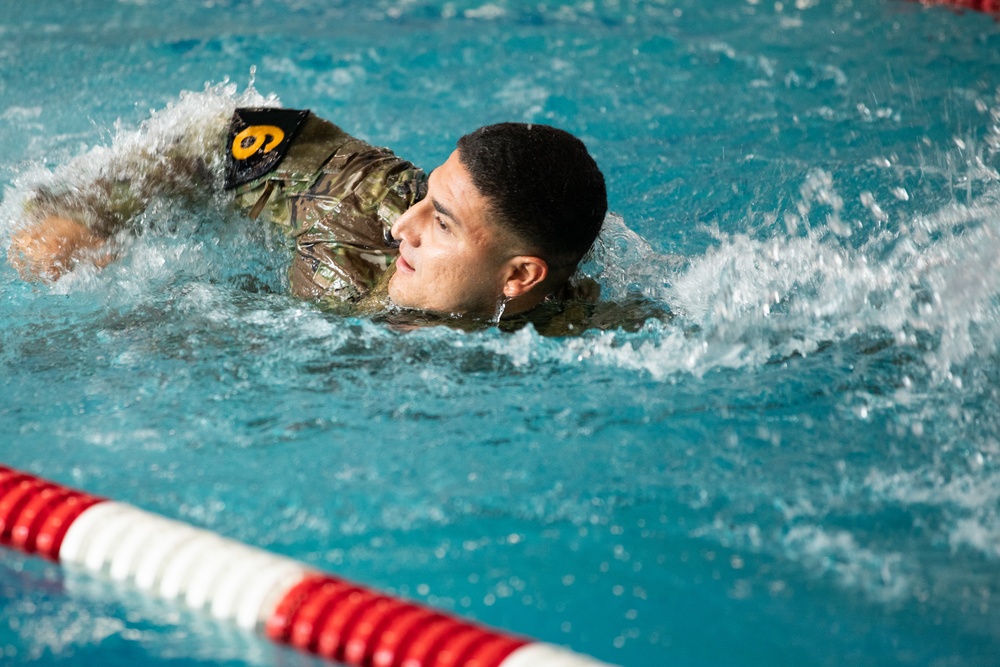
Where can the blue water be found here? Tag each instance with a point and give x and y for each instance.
(802, 467)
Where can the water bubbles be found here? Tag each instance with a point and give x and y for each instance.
(818, 189)
(836, 553)
(868, 201)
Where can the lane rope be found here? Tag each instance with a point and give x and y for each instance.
(282, 598)
(988, 6)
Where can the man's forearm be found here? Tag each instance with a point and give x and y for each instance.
(124, 187)
(68, 220)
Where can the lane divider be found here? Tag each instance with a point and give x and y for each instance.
(285, 599)
(988, 6)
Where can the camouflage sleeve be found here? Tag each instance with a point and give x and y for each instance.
(107, 188)
(332, 194)
(335, 196)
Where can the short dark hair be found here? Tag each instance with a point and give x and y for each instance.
(543, 186)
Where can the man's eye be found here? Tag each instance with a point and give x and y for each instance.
(441, 224)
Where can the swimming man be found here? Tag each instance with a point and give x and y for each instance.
(499, 228)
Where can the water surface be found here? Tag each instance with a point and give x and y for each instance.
(801, 467)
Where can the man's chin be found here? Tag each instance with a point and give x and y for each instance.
(398, 296)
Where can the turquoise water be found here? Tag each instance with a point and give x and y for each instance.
(802, 467)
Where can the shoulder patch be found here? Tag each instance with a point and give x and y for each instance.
(259, 139)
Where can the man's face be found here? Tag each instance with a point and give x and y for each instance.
(452, 258)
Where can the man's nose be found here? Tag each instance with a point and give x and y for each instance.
(406, 227)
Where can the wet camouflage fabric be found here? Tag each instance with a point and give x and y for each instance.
(335, 196)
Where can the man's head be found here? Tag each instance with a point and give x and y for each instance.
(507, 218)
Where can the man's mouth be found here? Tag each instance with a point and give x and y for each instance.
(403, 265)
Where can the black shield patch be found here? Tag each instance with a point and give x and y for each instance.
(259, 139)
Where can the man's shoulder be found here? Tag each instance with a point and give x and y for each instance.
(289, 144)
(318, 141)
(310, 147)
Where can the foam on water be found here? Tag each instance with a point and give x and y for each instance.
(748, 301)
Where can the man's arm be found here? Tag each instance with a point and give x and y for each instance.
(103, 192)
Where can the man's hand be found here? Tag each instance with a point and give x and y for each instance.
(48, 249)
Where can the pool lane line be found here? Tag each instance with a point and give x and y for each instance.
(988, 6)
(284, 599)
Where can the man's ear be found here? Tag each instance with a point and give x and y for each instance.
(525, 272)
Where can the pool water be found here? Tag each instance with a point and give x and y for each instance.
(800, 467)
